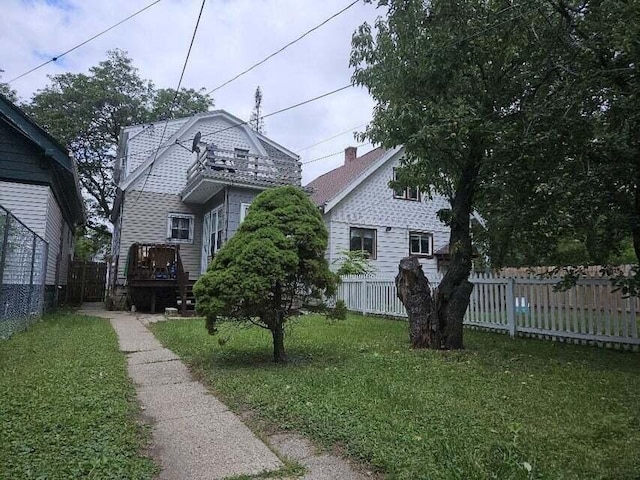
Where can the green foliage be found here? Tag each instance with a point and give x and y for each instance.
(7, 91)
(465, 87)
(488, 412)
(264, 273)
(86, 112)
(339, 312)
(354, 262)
(67, 406)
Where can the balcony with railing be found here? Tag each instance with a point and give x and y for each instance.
(214, 168)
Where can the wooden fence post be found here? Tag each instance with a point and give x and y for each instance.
(511, 307)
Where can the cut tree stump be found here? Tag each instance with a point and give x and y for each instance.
(414, 292)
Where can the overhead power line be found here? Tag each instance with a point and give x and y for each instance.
(299, 104)
(255, 65)
(349, 130)
(175, 97)
(53, 59)
(483, 30)
(290, 107)
(333, 154)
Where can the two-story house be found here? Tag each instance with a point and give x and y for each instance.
(362, 212)
(181, 196)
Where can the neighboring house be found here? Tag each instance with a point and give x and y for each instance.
(180, 199)
(39, 186)
(362, 212)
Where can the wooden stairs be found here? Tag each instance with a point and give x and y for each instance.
(189, 300)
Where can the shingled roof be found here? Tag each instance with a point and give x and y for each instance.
(328, 186)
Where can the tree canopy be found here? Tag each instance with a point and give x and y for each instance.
(469, 89)
(87, 111)
(268, 269)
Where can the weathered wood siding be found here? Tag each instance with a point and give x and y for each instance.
(144, 220)
(371, 205)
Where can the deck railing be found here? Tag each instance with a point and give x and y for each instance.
(235, 166)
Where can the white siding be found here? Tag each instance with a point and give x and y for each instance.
(169, 172)
(37, 207)
(371, 205)
(53, 237)
(28, 203)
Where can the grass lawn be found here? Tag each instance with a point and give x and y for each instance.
(498, 409)
(67, 407)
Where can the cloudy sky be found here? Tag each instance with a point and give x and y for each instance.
(233, 35)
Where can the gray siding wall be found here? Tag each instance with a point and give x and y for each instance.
(145, 221)
(36, 206)
(28, 203)
(371, 205)
(169, 173)
(53, 236)
(237, 196)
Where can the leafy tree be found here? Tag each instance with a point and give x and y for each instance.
(256, 121)
(87, 111)
(591, 206)
(268, 269)
(7, 91)
(466, 87)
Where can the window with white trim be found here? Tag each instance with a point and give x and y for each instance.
(408, 193)
(421, 244)
(244, 209)
(363, 239)
(180, 227)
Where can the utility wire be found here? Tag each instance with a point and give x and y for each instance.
(349, 130)
(181, 142)
(283, 48)
(53, 59)
(333, 154)
(487, 28)
(290, 107)
(175, 97)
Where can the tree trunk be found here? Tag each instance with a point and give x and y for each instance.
(453, 293)
(414, 292)
(277, 331)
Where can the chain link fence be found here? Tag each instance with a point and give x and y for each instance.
(23, 265)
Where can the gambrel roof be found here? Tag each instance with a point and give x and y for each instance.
(175, 133)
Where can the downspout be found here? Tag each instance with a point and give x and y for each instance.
(226, 213)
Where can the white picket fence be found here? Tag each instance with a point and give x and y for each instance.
(589, 312)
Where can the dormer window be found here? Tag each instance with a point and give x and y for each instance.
(408, 193)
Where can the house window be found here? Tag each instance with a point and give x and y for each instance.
(244, 208)
(363, 239)
(180, 227)
(240, 153)
(421, 244)
(408, 193)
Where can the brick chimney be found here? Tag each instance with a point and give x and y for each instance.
(350, 154)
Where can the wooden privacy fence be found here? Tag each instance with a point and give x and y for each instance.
(86, 282)
(588, 312)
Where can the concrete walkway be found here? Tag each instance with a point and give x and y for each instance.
(194, 435)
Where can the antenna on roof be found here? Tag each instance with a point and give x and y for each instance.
(196, 141)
